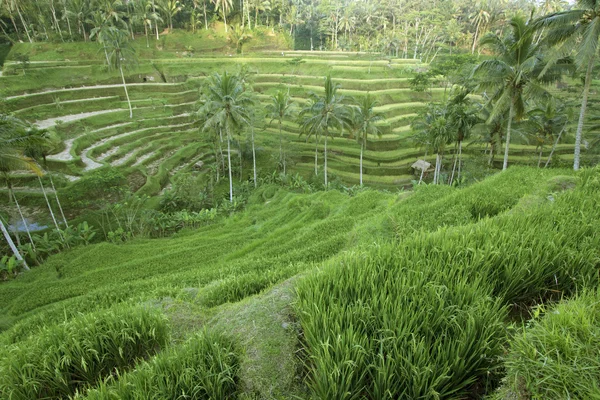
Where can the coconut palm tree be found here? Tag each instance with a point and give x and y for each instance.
(463, 116)
(225, 6)
(324, 115)
(143, 14)
(516, 74)
(170, 8)
(579, 29)
(280, 108)
(364, 121)
(37, 144)
(120, 55)
(228, 108)
(434, 130)
(13, 159)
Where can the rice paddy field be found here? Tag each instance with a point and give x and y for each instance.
(487, 290)
(68, 88)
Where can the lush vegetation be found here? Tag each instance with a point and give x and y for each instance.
(60, 360)
(195, 207)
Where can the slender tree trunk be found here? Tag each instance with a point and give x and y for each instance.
(14, 26)
(253, 157)
(586, 91)
(256, 15)
(325, 162)
(361, 163)
(56, 23)
(229, 165)
(248, 16)
(508, 127)
(316, 155)
(50, 208)
(281, 159)
(68, 21)
(421, 177)
(435, 171)
(240, 154)
(24, 24)
(126, 92)
(459, 159)
(146, 34)
(540, 157)
(205, 19)
(453, 166)
(224, 17)
(156, 29)
(554, 147)
(23, 219)
(475, 39)
(12, 246)
(58, 201)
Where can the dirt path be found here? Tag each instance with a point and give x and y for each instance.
(88, 87)
(91, 164)
(64, 155)
(50, 122)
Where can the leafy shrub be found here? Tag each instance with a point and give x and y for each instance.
(64, 358)
(203, 368)
(9, 266)
(188, 193)
(96, 188)
(556, 356)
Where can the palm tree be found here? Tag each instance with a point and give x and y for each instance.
(323, 115)
(434, 130)
(547, 123)
(516, 73)
(577, 29)
(120, 54)
(170, 8)
(37, 144)
(280, 108)
(480, 19)
(238, 37)
(225, 6)
(364, 121)
(144, 15)
(228, 108)
(463, 116)
(12, 159)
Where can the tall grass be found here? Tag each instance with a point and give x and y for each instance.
(63, 359)
(424, 318)
(203, 368)
(556, 356)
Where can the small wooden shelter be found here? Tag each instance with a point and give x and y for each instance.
(422, 166)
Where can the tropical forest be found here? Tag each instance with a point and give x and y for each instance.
(300, 199)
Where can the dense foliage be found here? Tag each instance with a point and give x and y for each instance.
(376, 322)
(203, 368)
(555, 355)
(401, 28)
(63, 359)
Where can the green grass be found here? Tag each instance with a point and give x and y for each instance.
(203, 368)
(425, 315)
(63, 359)
(556, 354)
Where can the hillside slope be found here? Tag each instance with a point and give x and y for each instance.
(207, 278)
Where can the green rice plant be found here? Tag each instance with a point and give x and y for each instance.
(377, 327)
(203, 368)
(556, 355)
(62, 359)
(424, 318)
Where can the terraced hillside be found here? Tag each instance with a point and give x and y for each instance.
(321, 272)
(86, 106)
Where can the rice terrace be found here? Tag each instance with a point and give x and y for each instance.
(299, 199)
